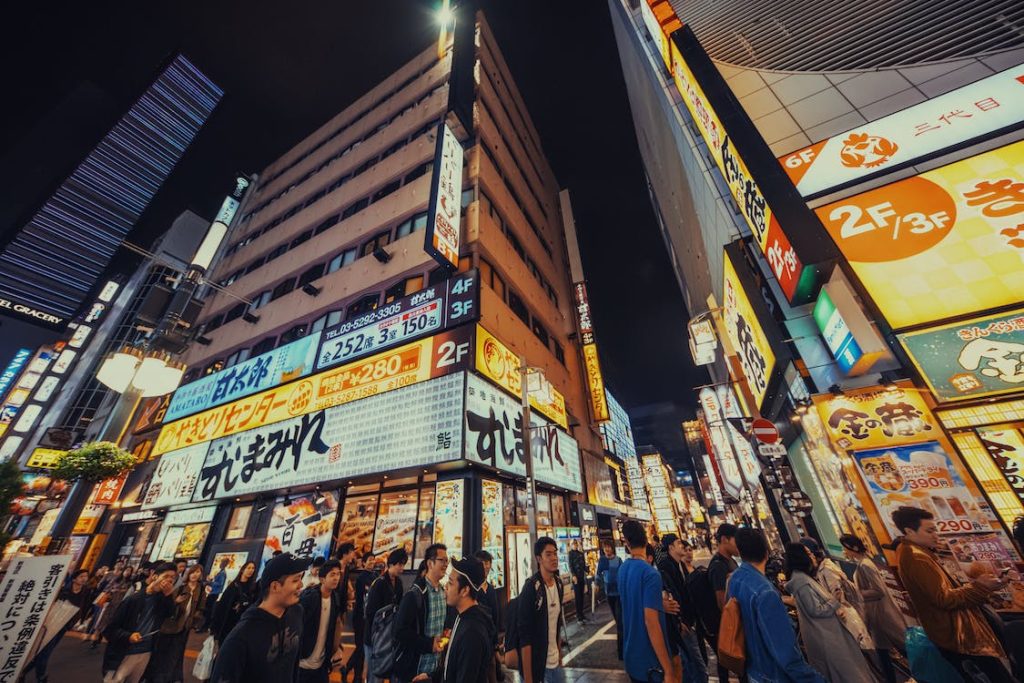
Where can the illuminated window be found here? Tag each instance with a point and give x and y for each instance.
(365, 305)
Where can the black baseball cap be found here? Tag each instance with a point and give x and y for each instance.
(667, 540)
(281, 566)
(725, 530)
(472, 569)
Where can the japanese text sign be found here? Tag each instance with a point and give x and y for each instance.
(500, 364)
(175, 477)
(876, 417)
(975, 358)
(108, 491)
(27, 591)
(44, 458)
(717, 440)
(1005, 445)
(945, 243)
(266, 370)
(744, 328)
(780, 222)
(954, 119)
(426, 312)
(582, 302)
(595, 383)
(444, 217)
(302, 526)
(385, 371)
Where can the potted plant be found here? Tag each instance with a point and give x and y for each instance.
(94, 462)
(11, 486)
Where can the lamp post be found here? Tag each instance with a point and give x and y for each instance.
(525, 372)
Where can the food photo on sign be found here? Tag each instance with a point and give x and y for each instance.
(302, 526)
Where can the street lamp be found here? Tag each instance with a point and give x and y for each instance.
(543, 387)
(152, 373)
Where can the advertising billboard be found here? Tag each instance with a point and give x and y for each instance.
(945, 243)
(972, 359)
(960, 117)
(783, 227)
(1005, 445)
(302, 526)
(175, 477)
(500, 364)
(386, 371)
(263, 372)
(444, 215)
(875, 417)
(13, 368)
(426, 312)
(750, 328)
(591, 362)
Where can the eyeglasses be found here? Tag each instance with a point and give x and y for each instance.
(442, 560)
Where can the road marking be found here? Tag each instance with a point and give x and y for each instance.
(590, 641)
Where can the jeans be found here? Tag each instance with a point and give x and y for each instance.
(554, 675)
(694, 668)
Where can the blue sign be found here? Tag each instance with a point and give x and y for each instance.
(837, 334)
(265, 371)
(10, 373)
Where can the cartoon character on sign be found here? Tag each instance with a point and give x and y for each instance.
(867, 151)
(1003, 360)
(494, 358)
(883, 472)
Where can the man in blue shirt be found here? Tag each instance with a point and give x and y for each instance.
(772, 650)
(645, 646)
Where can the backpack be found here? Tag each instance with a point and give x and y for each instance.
(382, 659)
(511, 656)
(705, 603)
(732, 642)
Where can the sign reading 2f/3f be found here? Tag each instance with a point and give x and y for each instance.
(426, 312)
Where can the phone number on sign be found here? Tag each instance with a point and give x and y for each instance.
(417, 321)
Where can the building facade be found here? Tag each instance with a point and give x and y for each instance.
(765, 147)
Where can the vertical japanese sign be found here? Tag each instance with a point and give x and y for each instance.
(946, 243)
(444, 216)
(7, 377)
(27, 591)
(720, 447)
(1005, 445)
(591, 363)
(784, 228)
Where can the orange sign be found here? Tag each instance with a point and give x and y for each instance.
(108, 491)
(393, 369)
(877, 418)
(595, 383)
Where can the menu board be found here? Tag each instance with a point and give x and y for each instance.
(302, 526)
(448, 518)
(493, 537)
(991, 553)
(396, 524)
(357, 520)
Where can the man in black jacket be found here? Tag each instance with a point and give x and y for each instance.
(137, 619)
(320, 615)
(264, 647)
(363, 581)
(682, 627)
(471, 650)
(538, 613)
(385, 590)
(420, 621)
(578, 570)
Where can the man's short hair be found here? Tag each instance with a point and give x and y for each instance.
(328, 565)
(908, 517)
(542, 543)
(634, 533)
(432, 550)
(345, 549)
(667, 540)
(726, 531)
(398, 557)
(483, 556)
(607, 543)
(165, 567)
(752, 545)
(318, 562)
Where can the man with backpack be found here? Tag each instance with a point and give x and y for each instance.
(320, 615)
(607, 576)
(364, 580)
(643, 612)
(538, 614)
(419, 623)
(385, 591)
(681, 627)
(707, 588)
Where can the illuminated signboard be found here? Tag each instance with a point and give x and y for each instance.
(850, 336)
(498, 363)
(493, 438)
(266, 370)
(979, 357)
(1005, 445)
(838, 337)
(719, 444)
(444, 215)
(591, 363)
(175, 477)
(10, 373)
(783, 227)
(43, 458)
(755, 342)
(957, 118)
(386, 371)
(703, 342)
(876, 417)
(945, 243)
(412, 427)
(426, 312)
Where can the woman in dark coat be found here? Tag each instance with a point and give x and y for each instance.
(236, 598)
(167, 663)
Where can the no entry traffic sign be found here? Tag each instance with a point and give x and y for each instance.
(765, 431)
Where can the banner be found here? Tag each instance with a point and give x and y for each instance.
(444, 215)
(175, 477)
(921, 476)
(449, 506)
(973, 359)
(415, 426)
(876, 417)
(591, 363)
(494, 436)
(400, 367)
(266, 370)
(27, 591)
(948, 242)
(1005, 445)
(728, 467)
(108, 491)
(498, 363)
(43, 458)
(426, 312)
(302, 526)
(937, 125)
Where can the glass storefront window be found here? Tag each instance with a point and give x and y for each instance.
(543, 510)
(509, 506)
(357, 522)
(425, 524)
(396, 523)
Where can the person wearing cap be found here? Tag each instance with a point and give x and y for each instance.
(320, 614)
(385, 590)
(720, 567)
(471, 650)
(264, 647)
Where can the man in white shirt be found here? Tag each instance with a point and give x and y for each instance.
(320, 632)
(538, 611)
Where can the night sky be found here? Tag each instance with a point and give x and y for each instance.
(288, 67)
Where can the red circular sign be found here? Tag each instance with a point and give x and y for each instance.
(765, 431)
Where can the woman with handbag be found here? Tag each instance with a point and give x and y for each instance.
(167, 663)
(831, 647)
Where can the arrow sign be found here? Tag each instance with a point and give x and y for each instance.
(765, 431)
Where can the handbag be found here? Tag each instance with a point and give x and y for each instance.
(732, 642)
(204, 662)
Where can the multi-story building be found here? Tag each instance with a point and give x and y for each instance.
(400, 442)
(772, 138)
